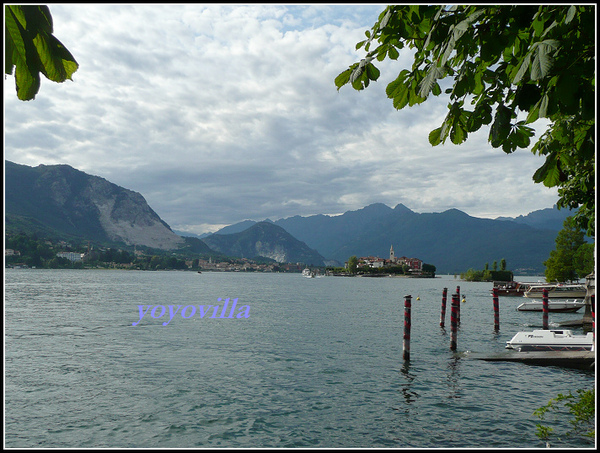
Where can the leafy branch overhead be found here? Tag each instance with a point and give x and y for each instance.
(31, 48)
(507, 66)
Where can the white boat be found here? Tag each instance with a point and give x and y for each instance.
(308, 273)
(551, 340)
(557, 290)
(554, 305)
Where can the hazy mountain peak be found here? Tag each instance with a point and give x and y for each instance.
(401, 208)
(264, 239)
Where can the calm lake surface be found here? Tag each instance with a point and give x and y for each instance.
(318, 363)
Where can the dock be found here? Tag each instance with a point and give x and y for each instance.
(583, 360)
(573, 323)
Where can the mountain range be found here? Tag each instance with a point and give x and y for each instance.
(61, 201)
(452, 240)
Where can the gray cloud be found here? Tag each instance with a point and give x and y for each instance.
(221, 113)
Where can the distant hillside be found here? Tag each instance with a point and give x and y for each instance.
(544, 219)
(452, 240)
(60, 201)
(264, 239)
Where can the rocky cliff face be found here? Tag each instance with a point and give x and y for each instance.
(68, 200)
(267, 240)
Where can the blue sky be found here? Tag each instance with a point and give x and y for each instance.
(220, 113)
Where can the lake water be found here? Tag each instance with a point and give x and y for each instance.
(317, 363)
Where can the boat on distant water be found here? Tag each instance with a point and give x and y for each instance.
(554, 305)
(551, 340)
(308, 273)
(511, 288)
(557, 290)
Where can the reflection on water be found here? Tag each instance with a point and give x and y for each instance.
(410, 395)
(453, 377)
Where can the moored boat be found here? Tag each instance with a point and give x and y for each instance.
(511, 288)
(554, 305)
(551, 340)
(557, 290)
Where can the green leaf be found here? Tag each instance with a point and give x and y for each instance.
(31, 47)
(398, 90)
(434, 72)
(372, 72)
(522, 69)
(356, 73)
(542, 60)
(458, 133)
(15, 44)
(500, 127)
(543, 111)
(549, 173)
(27, 82)
(435, 136)
(570, 14)
(343, 78)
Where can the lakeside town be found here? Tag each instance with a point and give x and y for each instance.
(25, 252)
(43, 253)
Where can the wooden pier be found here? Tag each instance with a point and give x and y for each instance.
(570, 359)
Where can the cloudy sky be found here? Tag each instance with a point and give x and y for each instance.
(220, 113)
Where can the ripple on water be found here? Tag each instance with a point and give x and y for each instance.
(313, 366)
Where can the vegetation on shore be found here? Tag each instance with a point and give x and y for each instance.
(573, 257)
(41, 253)
(487, 275)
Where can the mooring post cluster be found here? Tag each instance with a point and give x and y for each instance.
(406, 342)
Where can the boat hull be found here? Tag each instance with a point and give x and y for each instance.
(511, 289)
(559, 291)
(554, 305)
(551, 340)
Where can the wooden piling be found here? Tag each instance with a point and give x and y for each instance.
(406, 342)
(458, 309)
(545, 309)
(496, 311)
(454, 321)
(443, 315)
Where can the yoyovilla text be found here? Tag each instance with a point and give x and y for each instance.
(190, 310)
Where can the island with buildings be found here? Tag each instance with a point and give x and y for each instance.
(374, 266)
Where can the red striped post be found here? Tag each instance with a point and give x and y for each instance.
(545, 309)
(496, 311)
(458, 309)
(453, 321)
(406, 343)
(443, 315)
